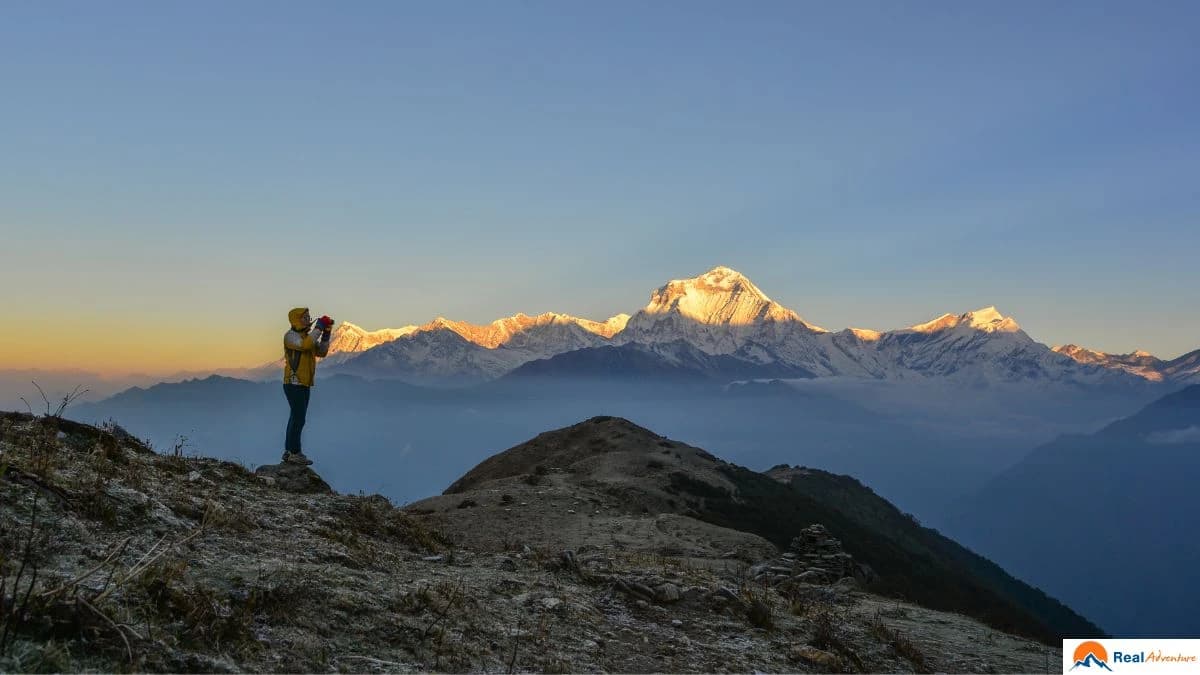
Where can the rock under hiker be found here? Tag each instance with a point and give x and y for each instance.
(300, 352)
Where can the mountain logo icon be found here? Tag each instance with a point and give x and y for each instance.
(1091, 654)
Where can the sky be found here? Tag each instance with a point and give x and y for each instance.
(175, 176)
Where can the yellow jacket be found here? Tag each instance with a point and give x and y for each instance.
(300, 350)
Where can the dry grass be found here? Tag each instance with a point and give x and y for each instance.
(757, 604)
(828, 635)
(369, 527)
(900, 643)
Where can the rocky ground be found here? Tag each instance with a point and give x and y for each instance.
(115, 558)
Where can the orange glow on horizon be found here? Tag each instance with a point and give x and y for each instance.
(110, 346)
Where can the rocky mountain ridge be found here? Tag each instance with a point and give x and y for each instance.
(129, 559)
(1184, 369)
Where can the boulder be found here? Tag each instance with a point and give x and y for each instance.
(667, 592)
(293, 478)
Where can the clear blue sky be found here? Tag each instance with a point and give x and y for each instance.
(166, 165)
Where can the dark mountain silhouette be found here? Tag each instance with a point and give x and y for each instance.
(1082, 515)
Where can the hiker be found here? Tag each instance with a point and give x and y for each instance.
(300, 352)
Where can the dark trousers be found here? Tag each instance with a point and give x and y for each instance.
(297, 398)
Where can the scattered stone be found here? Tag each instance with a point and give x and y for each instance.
(815, 575)
(724, 595)
(193, 476)
(467, 503)
(551, 603)
(847, 584)
(639, 591)
(568, 561)
(434, 558)
(828, 662)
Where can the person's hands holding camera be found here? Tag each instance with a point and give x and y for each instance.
(325, 324)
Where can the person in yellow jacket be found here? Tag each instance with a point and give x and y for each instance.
(300, 352)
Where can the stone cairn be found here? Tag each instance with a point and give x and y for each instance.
(814, 557)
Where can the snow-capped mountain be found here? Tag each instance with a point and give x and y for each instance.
(348, 340)
(1185, 369)
(432, 356)
(723, 313)
(541, 336)
(1139, 363)
(348, 337)
(718, 312)
(456, 352)
(982, 345)
(687, 323)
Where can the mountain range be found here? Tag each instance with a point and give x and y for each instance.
(1185, 369)
(720, 325)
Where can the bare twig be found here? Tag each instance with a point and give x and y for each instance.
(102, 615)
(62, 405)
(368, 659)
(512, 663)
(146, 562)
(149, 552)
(15, 612)
(69, 399)
(39, 388)
(438, 616)
(79, 579)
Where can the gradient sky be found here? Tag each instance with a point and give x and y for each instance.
(175, 176)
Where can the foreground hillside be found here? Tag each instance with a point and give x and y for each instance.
(116, 558)
(607, 479)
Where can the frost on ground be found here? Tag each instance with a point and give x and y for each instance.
(114, 558)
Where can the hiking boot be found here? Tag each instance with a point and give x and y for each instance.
(296, 458)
